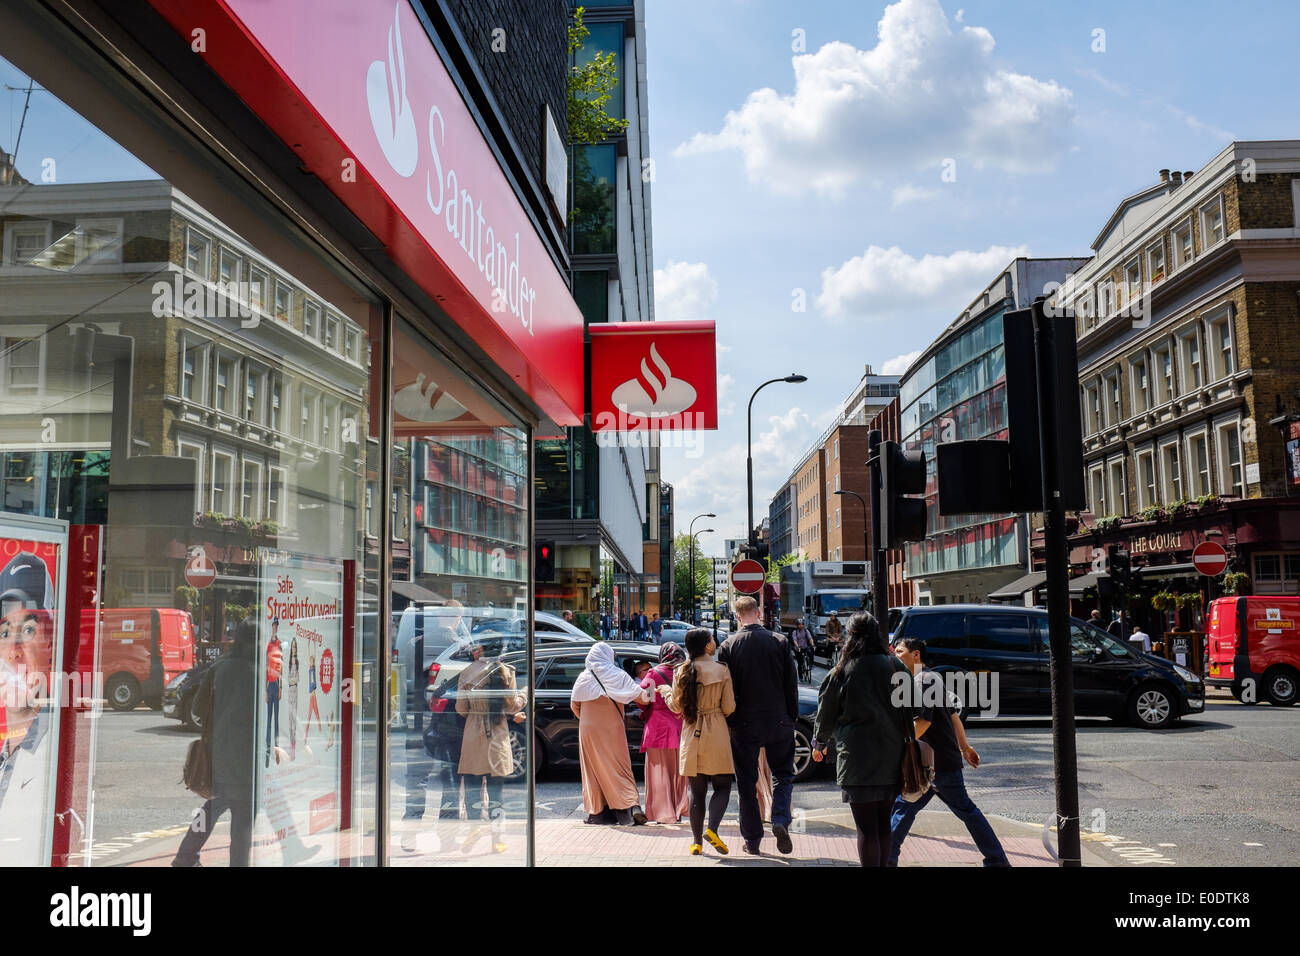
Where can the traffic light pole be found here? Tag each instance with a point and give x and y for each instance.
(879, 576)
(1065, 756)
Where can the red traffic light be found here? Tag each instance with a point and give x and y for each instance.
(546, 552)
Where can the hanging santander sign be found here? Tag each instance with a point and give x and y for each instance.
(359, 92)
(648, 376)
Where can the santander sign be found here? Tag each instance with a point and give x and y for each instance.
(359, 92)
(654, 376)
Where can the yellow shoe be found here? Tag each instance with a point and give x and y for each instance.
(715, 841)
(696, 849)
(470, 840)
(499, 847)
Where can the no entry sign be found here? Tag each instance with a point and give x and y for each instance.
(1210, 558)
(747, 576)
(200, 571)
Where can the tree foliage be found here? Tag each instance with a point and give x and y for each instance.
(682, 547)
(591, 85)
(774, 567)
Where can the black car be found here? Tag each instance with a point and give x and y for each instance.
(557, 668)
(1111, 679)
(180, 694)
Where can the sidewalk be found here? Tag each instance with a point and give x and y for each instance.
(827, 839)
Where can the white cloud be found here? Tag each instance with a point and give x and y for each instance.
(899, 363)
(683, 290)
(923, 94)
(883, 283)
(725, 384)
(907, 193)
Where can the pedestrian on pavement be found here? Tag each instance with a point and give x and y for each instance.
(666, 797)
(642, 627)
(657, 629)
(605, 627)
(834, 637)
(568, 616)
(227, 693)
(856, 707)
(597, 700)
(766, 685)
(486, 696)
(1142, 638)
(703, 694)
(802, 640)
(1095, 618)
(938, 724)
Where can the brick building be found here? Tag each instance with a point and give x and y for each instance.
(902, 592)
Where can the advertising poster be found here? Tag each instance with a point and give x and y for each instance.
(32, 556)
(300, 708)
(1293, 453)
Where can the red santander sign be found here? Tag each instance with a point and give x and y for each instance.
(361, 94)
(654, 376)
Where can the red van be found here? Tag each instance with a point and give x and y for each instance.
(142, 649)
(1256, 639)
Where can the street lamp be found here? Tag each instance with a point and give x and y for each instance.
(866, 526)
(749, 448)
(691, 532)
(694, 616)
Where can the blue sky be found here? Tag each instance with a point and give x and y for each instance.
(778, 170)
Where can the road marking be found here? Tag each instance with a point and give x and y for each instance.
(1252, 844)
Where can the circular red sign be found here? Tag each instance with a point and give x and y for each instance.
(1210, 558)
(200, 572)
(326, 671)
(747, 576)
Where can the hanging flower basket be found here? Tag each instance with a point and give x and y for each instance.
(1163, 600)
(1189, 599)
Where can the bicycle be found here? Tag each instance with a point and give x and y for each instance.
(804, 658)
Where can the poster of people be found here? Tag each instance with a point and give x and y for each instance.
(32, 572)
(299, 712)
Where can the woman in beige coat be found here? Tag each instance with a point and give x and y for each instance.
(486, 696)
(702, 694)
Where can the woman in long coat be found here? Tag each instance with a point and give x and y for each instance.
(666, 797)
(703, 695)
(857, 708)
(485, 697)
(598, 698)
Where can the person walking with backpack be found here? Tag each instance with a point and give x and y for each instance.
(666, 797)
(702, 693)
(856, 707)
(938, 724)
(597, 700)
(766, 686)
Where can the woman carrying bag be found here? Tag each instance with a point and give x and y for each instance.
(666, 797)
(598, 698)
(703, 695)
(856, 706)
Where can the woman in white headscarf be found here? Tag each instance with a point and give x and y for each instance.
(598, 698)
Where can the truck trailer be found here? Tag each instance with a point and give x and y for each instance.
(814, 590)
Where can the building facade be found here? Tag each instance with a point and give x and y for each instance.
(1187, 320)
(956, 390)
(781, 519)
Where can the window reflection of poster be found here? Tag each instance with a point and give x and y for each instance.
(1293, 453)
(299, 724)
(32, 573)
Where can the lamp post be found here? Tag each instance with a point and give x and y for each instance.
(793, 379)
(691, 543)
(866, 527)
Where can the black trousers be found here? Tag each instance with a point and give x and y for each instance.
(241, 831)
(746, 741)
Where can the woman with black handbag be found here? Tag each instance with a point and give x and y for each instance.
(860, 708)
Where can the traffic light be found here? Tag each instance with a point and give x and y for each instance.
(1118, 565)
(901, 473)
(544, 569)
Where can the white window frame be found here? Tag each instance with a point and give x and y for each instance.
(1167, 385)
(234, 407)
(279, 287)
(257, 373)
(259, 282)
(332, 328)
(226, 254)
(1157, 249)
(308, 431)
(1214, 205)
(1092, 407)
(1175, 246)
(276, 481)
(1136, 390)
(201, 481)
(1114, 404)
(1105, 299)
(1146, 493)
(201, 350)
(1131, 286)
(837, 448)
(1203, 482)
(394, 513)
(1118, 488)
(1222, 318)
(329, 423)
(31, 227)
(255, 496)
(273, 380)
(1225, 477)
(352, 343)
(231, 491)
(192, 234)
(1190, 334)
(111, 252)
(1171, 485)
(311, 320)
(370, 510)
(1097, 489)
(26, 333)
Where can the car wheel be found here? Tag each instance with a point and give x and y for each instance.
(518, 755)
(122, 691)
(804, 767)
(189, 708)
(1281, 687)
(1152, 707)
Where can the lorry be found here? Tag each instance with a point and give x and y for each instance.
(814, 590)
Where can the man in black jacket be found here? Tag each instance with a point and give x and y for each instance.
(766, 684)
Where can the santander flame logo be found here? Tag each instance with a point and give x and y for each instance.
(650, 394)
(390, 110)
(426, 403)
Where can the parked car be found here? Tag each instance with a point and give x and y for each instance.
(557, 668)
(1110, 678)
(675, 630)
(179, 697)
(1257, 639)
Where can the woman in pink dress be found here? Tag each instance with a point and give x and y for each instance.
(667, 797)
